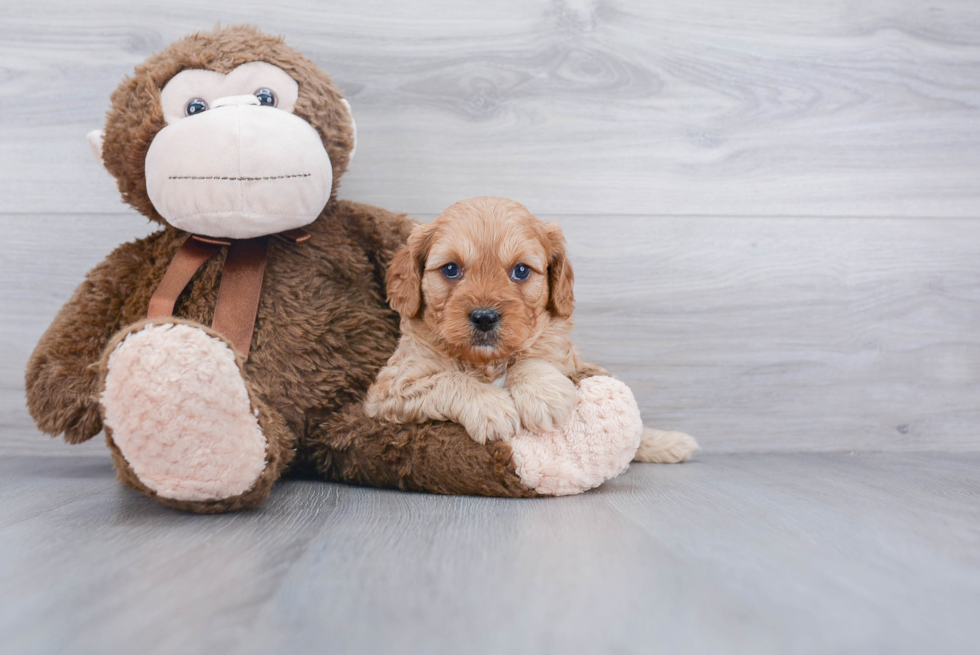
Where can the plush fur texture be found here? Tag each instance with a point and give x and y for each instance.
(258, 142)
(178, 409)
(595, 444)
(322, 331)
(136, 114)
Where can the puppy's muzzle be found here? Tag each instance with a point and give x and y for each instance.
(485, 319)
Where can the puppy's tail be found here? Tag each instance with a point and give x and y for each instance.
(662, 447)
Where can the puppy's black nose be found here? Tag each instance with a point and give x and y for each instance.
(484, 319)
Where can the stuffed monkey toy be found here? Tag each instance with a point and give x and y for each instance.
(236, 344)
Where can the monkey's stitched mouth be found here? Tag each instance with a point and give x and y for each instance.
(236, 179)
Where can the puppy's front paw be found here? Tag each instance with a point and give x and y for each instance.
(493, 416)
(545, 403)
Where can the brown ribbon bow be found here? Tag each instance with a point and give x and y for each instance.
(241, 282)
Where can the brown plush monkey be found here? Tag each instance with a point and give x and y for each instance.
(236, 344)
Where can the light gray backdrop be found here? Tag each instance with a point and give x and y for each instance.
(771, 207)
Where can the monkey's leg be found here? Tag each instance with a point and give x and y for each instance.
(596, 444)
(656, 446)
(435, 457)
(182, 422)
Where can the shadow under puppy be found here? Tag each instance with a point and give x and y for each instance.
(485, 294)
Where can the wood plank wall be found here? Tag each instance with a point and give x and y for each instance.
(772, 207)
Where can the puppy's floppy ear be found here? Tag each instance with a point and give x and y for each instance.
(404, 277)
(561, 279)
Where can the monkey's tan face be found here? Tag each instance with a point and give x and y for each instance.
(233, 160)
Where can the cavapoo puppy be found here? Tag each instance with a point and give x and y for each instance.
(485, 295)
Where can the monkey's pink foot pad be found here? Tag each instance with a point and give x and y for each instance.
(596, 444)
(179, 411)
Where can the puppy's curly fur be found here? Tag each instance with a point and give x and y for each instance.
(485, 294)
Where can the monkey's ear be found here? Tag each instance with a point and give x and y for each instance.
(95, 138)
(405, 271)
(353, 125)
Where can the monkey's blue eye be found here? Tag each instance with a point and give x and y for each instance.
(267, 97)
(195, 106)
(451, 271)
(520, 272)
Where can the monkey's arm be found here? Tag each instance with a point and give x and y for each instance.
(435, 457)
(61, 378)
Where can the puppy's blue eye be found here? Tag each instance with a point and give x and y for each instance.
(451, 270)
(267, 97)
(520, 272)
(195, 106)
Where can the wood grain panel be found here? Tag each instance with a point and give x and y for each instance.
(791, 334)
(575, 106)
(783, 334)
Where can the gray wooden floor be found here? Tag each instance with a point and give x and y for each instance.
(820, 553)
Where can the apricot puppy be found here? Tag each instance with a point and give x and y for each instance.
(485, 295)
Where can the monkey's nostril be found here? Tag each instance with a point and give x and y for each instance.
(484, 319)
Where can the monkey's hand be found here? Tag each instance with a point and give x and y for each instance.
(62, 378)
(63, 403)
